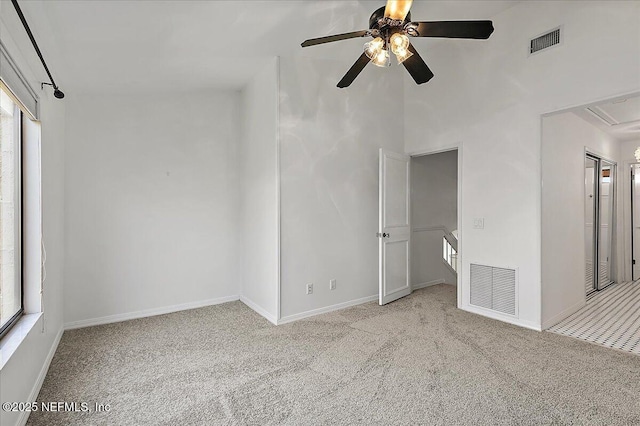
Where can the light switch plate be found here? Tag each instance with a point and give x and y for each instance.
(478, 223)
(332, 284)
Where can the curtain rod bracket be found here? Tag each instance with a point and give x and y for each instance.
(56, 92)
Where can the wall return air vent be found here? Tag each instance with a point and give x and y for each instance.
(545, 41)
(494, 288)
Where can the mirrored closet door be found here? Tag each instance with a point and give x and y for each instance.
(599, 222)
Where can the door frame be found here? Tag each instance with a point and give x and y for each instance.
(596, 221)
(430, 151)
(627, 217)
(599, 157)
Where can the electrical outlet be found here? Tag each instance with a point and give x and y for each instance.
(332, 284)
(310, 288)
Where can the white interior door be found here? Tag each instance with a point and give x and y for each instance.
(606, 210)
(636, 220)
(394, 228)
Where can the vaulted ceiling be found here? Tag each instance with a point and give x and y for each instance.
(138, 46)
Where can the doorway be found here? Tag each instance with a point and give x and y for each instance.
(434, 219)
(599, 222)
(419, 239)
(635, 221)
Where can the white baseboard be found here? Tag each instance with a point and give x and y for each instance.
(564, 314)
(260, 310)
(148, 312)
(314, 312)
(22, 420)
(504, 318)
(429, 284)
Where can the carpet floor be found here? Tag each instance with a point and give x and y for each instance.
(418, 360)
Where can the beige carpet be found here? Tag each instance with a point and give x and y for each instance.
(416, 361)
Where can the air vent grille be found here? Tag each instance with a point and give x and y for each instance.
(493, 288)
(545, 41)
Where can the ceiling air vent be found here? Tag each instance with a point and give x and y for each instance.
(545, 41)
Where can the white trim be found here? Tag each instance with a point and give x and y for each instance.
(429, 151)
(428, 284)
(564, 314)
(600, 155)
(627, 210)
(501, 317)
(278, 197)
(460, 252)
(582, 105)
(449, 267)
(432, 229)
(18, 333)
(148, 312)
(259, 309)
(336, 307)
(33, 396)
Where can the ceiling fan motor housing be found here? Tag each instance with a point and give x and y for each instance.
(385, 27)
(378, 20)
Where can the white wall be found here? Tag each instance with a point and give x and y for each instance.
(259, 192)
(152, 204)
(489, 96)
(22, 375)
(434, 204)
(329, 178)
(627, 150)
(564, 139)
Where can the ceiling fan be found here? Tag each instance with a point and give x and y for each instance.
(390, 26)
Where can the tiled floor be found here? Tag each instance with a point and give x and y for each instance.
(610, 318)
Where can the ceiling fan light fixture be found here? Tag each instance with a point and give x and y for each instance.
(399, 43)
(373, 48)
(394, 21)
(403, 55)
(382, 59)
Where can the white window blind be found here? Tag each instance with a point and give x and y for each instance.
(13, 79)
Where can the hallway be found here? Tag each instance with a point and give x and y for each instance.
(610, 318)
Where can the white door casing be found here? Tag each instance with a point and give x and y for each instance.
(590, 197)
(636, 221)
(394, 231)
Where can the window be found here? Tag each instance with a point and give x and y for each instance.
(11, 301)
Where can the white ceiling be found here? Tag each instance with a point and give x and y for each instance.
(138, 46)
(619, 117)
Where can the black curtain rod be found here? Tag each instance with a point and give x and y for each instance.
(56, 92)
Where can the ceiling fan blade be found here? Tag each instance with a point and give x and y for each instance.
(337, 37)
(417, 67)
(353, 72)
(455, 29)
(397, 9)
